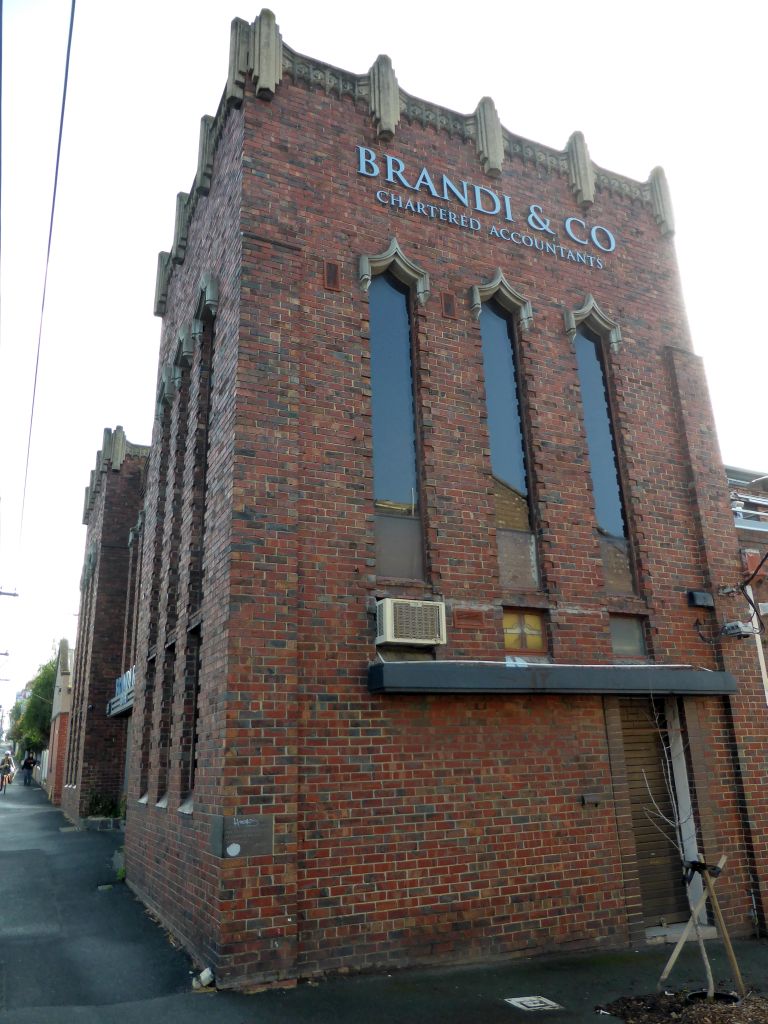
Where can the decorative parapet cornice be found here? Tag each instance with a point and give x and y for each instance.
(489, 138)
(115, 447)
(508, 298)
(384, 98)
(257, 50)
(394, 259)
(580, 170)
(595, 319)
(661, 201)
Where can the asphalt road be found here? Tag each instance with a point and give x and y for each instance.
(76, 947)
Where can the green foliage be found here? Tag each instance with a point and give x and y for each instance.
(31, 720)
(102, 806)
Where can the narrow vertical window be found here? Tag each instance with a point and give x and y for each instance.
(517, 553)
(603, 463)
(399, 543)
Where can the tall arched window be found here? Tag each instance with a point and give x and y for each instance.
(499, 308)
(588, 327)
(505, 430)
(609, 506)
(399, 543)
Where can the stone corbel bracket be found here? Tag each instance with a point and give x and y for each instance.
(394, 260)
(509, 298)
(181, 227)
(595, 319)
(384, 98)
(255, 50)
(580, 170)
(206, 149)
(661, 201)
(162, 281)
(489, 137)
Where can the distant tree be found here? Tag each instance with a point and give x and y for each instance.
(13, 722)
(31, 720)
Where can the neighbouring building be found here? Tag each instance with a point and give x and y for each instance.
(53, 762)
(436, 579)
(94, 779)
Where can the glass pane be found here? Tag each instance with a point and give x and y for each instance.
(394, 433)
(524, 631)
(616, 565)
(597, 424)
(503, 405)
(533, 628)
(627, 636)
(399, 547)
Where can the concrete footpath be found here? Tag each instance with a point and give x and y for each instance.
(76, 947)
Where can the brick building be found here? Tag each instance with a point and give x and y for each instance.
(54, 759)
(96, 746)
(433, 546)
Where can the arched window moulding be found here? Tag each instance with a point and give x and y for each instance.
(208, 296)
(595, 319)
(506, 296)
(393, 259)
(166, 389)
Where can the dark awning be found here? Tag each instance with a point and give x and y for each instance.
(497, 677)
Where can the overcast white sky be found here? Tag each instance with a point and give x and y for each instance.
(680, 85)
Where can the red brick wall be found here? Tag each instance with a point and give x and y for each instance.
(96, 745)
(57, 757)
(413, 828)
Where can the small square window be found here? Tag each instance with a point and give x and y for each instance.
(628, 636)
(524, 631)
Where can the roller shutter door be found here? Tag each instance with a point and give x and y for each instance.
(662, 888)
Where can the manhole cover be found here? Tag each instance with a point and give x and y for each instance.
(532, 1003)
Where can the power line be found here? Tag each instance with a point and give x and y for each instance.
(1, 158)
(47, 261)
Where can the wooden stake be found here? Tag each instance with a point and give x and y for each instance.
(708, 892)
(724, 934)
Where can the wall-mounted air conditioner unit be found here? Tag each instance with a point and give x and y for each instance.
(410, 622)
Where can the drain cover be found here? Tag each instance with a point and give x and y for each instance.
(532, 1003)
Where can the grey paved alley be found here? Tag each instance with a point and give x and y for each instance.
(77, 948)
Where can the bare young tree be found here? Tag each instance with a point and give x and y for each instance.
(672, 825)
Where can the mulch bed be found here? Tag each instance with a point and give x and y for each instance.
(660, 1009)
